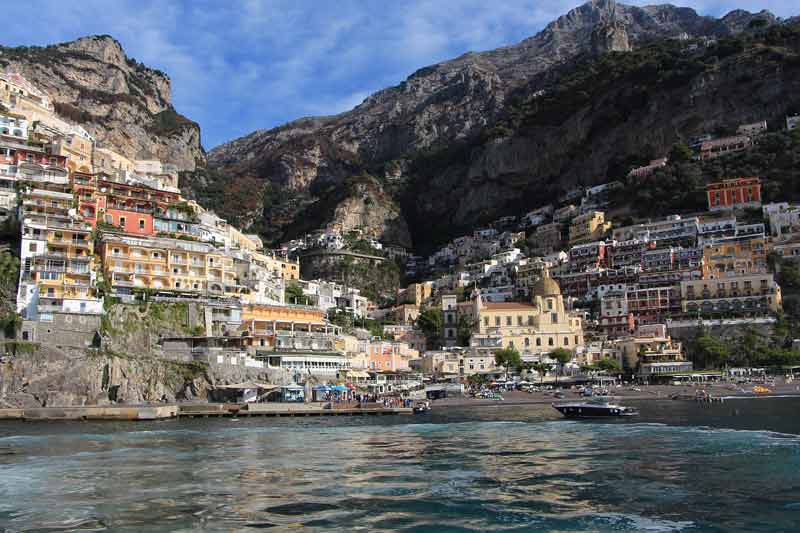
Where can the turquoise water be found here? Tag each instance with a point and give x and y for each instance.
(678, 467)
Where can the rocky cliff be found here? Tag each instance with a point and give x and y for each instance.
(411, 137)
(122, 103)
(130, 367)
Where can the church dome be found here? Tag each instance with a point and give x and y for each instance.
(546, 286)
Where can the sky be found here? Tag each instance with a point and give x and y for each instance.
(241, 65)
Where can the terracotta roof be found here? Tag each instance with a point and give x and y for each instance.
(507, 305)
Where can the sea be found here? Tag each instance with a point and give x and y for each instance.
(679, 466)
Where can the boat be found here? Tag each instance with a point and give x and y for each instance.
(421, 408)
(598, 407)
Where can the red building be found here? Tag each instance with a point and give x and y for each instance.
(131, 207)
(736, 193)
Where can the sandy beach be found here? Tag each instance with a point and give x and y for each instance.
(645, 392)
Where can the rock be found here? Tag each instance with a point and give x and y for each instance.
(123, 104)
(432, 121)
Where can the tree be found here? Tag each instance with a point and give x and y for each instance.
(9, 271)
(609, 365)
(508, 358)
(541, 369)
(431, 322)
(464, 330)
(477, 380)
(562, 356)
(294, 295)
(710, 352)
(680, 153)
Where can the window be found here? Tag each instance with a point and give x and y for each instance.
(576, 339)
(122, 222)
(508, 321)
(497, 321)
(141, 224)
(486, 321)
(538, 341)
(554, 318)
(550, 341)
(32, 247)
(527, 342)
(566, 341)
(549, 304)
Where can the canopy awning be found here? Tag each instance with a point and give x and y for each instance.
(357, 374)
(247, 385)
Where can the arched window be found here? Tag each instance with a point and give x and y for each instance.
(566, 341)
(527, 342)
(550, 341)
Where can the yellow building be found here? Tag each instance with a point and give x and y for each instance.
(734, 294)
(652, 352)
(415, 294)
(280, 267)
(734, 256)
(589, 226)
(532, 328)
(105, 160)
(76, 148)
(170, 265)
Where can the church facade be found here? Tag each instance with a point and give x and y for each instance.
(533, 328)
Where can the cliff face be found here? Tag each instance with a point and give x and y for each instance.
(123, 104)
(447, 105)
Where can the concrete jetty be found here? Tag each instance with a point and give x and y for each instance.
(210, 410)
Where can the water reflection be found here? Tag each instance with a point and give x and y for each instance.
(512, 469)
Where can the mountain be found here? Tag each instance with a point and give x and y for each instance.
(432, 141)
(122, 103)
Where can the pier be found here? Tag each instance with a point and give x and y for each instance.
(211, 410)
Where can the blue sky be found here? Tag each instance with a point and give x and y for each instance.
(241, 65)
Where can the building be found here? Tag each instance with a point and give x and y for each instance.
(735, 295)
(736, 193)
(724, 145)
(732, 256)
(587, 227)
(647, 170)
(415, 294)
(752, 130)
(533, 328)
(563, 214)
(13, 128)
(131, 206)
(171, 266)
(652, 354)
(615, 319)
(389, 356)
(783, 218)
(56, 256)
(450, 319)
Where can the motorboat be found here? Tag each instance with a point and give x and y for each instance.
(421, 408)
(597, 407)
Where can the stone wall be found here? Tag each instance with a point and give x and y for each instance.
(66, 329)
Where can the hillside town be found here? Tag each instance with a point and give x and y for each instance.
(565, 291)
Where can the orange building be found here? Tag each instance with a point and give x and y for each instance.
(736, 193)
(130, 206)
